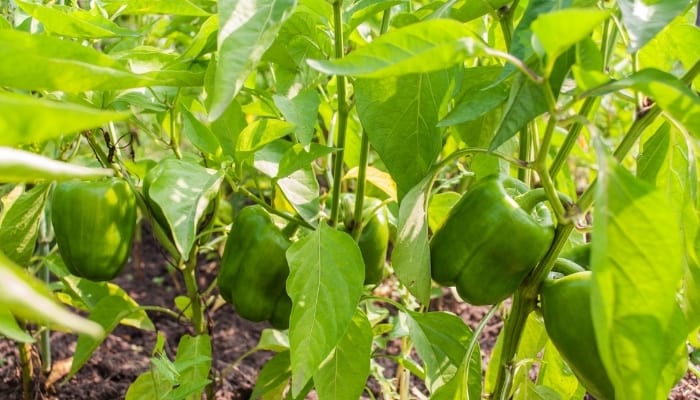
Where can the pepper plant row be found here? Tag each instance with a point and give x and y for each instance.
(350, 163)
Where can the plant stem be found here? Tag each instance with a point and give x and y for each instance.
(189, 274)
(403, 375)
(571, 137)
(25, 357)
(364, 153)
(45, 276)
(342, 114)
(541, 167)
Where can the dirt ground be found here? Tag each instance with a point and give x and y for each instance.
(125, 354)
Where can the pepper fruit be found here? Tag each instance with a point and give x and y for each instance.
(254, 268)
(374, 237)
(94, 226)
(489, 241)
(566, 310)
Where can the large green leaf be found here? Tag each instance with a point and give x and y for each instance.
(26, 119)
(441, 340)
(400, 115)
(555, 374)
(74, 22)
(677, 42)
(344, 374)
(19, 226)
(644, 18)
(50, 63)
(637, 262)
(273, 376)
(467, 10)
(418, 48)
(193, 364)
(670, 93)
(558, 30)
(301, 110)
(325, 283)
(182, 191)
(246, 29)
(28, 298)
(171, 7)
(11, 329)
(411, 253)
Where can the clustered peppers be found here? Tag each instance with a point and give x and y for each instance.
(94, 225)
(254, 268)
(489, 242)
(566, 310)
(374, 236)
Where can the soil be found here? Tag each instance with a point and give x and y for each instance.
(125, 354)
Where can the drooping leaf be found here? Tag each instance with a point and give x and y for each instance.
(246, 29)
(411, 254)
(74, 22)
(108, 312)
(26, 119)
(200, 135)
(344, 374)
(274, 375)
(422, 47)
(55, 64)
(325, 282)
(637, 262)
(670, 93)
(441, 340)
(28, 298)
(10, 329)
(181, 191)
(644, 19)
(400, 116)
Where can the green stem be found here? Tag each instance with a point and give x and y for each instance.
(512, 331)
(189, 274)
(524, 152)
(342, 114)
(43, 250)
(162, 310)
(571, 137)
(25, 357)
(541, 168)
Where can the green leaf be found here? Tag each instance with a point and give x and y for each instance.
(555, 374)
(90, 293)
(273, 375)
(170, 7)
(193, 363)
(301, 110)
(588, 70)
(343, 375)
(637, 263)
(558, 30)
(411, 253)
(653, 155)
(467, 10)
(422, 47)
(74, 22)
(400, 115)
(441, 340)
(273, 340)
(182, 191)
(259, 133)
(439, 208)
(644, 18)
(20, 224)
(674, 43)
(11, 329)
(28, 298)
(200, 135)
(148, 386)
(55, 64)
(670, 93)
(246, 29)
(475, 104)
(108, 312)
(325, 283)
(297, 157)
(26, 119)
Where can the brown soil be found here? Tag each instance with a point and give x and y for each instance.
(126, 352)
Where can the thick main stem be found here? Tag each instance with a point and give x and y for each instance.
(45, 276)
(342, 115)
(189, 274)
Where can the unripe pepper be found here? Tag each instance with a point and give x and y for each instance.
(488, 243)
(94, 226)
(374, 237)
(566, 310)
(254, 268)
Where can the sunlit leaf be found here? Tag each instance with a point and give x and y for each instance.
(74, 22)
(644, 19)
(19, 227)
